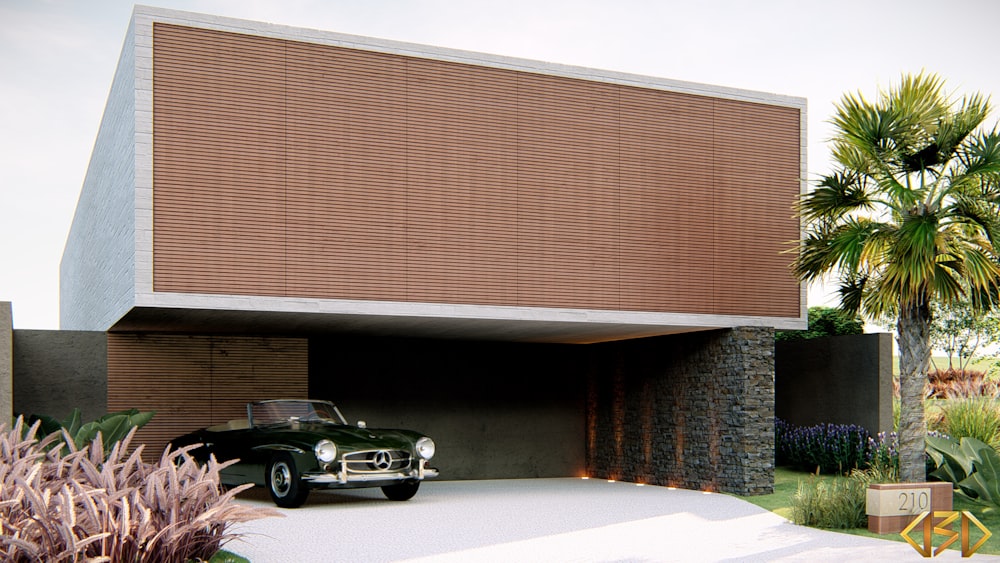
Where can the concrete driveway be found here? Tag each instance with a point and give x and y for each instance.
(550, 520)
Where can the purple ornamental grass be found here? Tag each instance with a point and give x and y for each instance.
(109, 506)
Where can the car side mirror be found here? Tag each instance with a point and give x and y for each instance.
(362, 424)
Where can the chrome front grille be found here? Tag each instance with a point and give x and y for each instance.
(377, 461)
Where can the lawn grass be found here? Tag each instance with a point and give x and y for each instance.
(786, 484)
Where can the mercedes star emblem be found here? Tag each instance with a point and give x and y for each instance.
(382, 460)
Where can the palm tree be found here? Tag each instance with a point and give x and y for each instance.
(911, 216)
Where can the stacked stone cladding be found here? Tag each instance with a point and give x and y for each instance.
(694, 411)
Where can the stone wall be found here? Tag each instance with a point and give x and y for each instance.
(693, 411)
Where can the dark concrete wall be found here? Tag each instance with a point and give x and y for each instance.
(838, 379)
(495, 410)
(693, 410)
(56, 371)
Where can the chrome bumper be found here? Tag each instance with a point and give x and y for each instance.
(344, 477)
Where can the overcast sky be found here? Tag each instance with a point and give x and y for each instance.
(57, 59)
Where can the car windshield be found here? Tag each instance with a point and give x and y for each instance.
(276, 412)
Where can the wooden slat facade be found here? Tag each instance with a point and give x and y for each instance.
(292, 169)
(197, 381)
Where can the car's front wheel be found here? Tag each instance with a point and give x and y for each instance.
(402, 491)
(282, 478)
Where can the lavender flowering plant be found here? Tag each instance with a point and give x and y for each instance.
(837, 448)
(826, 448)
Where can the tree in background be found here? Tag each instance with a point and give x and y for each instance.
(909, 218)
(824, 321)
(961, 332)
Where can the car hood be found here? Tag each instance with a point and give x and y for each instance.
(348, 438)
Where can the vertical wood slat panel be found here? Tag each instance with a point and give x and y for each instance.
(196, 381)
(384, 177)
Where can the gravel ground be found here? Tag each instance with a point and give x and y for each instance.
(546, 520)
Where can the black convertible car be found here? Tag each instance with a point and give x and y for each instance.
(292, 446)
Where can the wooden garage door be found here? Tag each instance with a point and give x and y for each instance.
(197, 381)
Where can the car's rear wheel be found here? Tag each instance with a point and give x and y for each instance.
(402, 491)
(282, 478)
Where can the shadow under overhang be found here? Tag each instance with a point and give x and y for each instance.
(215, 321)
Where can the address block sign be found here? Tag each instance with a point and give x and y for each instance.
(899, 502)
(892, 506)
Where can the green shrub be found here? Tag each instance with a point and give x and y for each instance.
(973, 417)
(824, 321)
(837, 503)
(96, 505)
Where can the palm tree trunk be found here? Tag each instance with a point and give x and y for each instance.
(913, 333)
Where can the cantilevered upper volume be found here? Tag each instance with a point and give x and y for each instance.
(251, 177)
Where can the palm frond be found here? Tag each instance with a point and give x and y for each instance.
(981, 269)
(850, 157)
(899, 197)
(878, 301)
(851, 289)
(945, 284)
(985, 298)
(871, 130)
(830, 246)
(978, 214)
(911, 265)
(837, 194)
(954, 128)
(980, 157)
(920, 103)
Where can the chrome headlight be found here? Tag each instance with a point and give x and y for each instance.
(326, 451)
(425, 448)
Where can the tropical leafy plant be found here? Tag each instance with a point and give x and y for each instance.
(113, 427)
(970, 464)
(910, 217)
(224, 556)
(954, 460)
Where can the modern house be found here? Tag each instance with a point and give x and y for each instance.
(552, 270)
